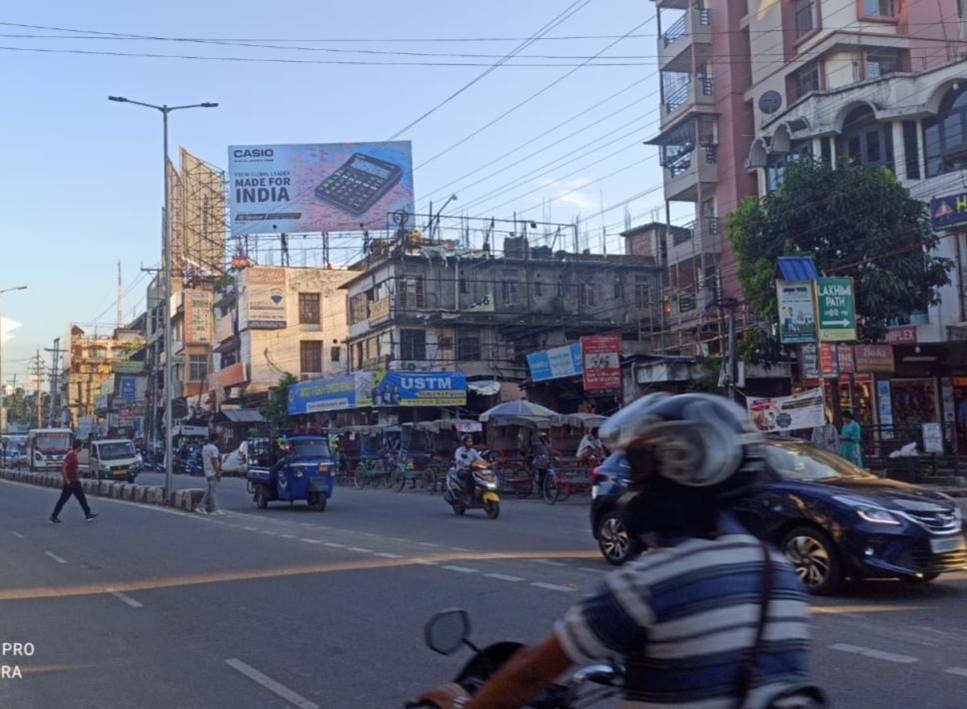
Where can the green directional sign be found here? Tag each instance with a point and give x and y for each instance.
(835, 309)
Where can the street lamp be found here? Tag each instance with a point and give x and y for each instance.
(435, 220)
(166, 248)
(3, 410)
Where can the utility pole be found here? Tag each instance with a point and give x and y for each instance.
(55, 353)
(120, 315)
(38, 373)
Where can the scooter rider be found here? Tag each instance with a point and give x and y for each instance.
(688, 616)
(463, 458)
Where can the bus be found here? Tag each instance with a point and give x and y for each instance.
(46, 447)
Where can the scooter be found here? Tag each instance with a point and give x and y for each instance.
(483, 495)
(448, 631)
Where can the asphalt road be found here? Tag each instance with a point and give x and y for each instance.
(148, 607)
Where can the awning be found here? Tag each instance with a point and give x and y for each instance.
(797, 268)
(243, 415)
(484, 388)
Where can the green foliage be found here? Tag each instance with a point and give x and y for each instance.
(276, 411)
(858, 222)
(704, 376)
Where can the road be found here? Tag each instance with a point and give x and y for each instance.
(149, 607)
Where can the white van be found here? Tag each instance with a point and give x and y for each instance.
(110, 459)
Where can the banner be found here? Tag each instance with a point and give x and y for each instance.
(556, 363)
(828, 361)
(421, 389)
(198, 317)
(809, 361)
(348, 391)
(797, 311)
(788, 413)
(318, 187)
(265, 299)
(601, 361)
(884, 406)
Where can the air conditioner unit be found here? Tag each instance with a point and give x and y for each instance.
(410, 366)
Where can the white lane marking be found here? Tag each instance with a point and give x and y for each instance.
(269, 532)
(270, 684)
(387, 555)
(548, 562)
(960, 671)
(335, 545)
(551, 586)
(460, 549)
(56, 558)
(875, 654)
(287, 536)
(18, 535)
(504, 577)
(361, 550)
(124, 598)
(250, 529)
(399, 539)
(424, 562)
(309, 541)
(592, 570)
(461, 569)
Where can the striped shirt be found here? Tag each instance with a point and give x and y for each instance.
(684, 618)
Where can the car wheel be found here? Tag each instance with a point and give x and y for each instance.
(614, 540)
(814, 557)
(261, 498)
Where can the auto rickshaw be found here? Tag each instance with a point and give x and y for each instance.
(303, 472)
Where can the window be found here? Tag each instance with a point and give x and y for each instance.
(806, 80)
(865, 141)
(468, 348)
(508, 288)
(310, 356)
(805, 11)
(197, 367)
(619, 288)
(358, 355)
(358, 308)
(586, 293)
(641, 291)
(412, 344)
(878, 8)
(538, 287)
(945, 137)
(878, 65)
(335, 354)
(309, 309)
(411, 294)
(911, 150)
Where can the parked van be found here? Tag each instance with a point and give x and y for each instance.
(110, 459)
(46, 447)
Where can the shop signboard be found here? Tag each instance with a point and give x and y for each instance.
(125, 366)
(874, 358)
(932, 438)
(555, 363)
(828, 360)
(788, 413)
(797, 311)
(902, 335)
(809, 361)
(949, 414)
(601, 361)
(835, 309)
(128, 388)
(264, 299)
(198, 317)
(844, 355)
(348, 391)
(949, 210)
(421, 389)
(885, 410)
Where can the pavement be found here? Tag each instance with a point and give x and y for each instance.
(152, 607)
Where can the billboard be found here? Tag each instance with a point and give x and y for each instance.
(601, 357)
(318, 187)
(556, 363)
(797, 317)
(421, 389)
(264, 299)
(788, 413)
(349, 391)
(198, 317)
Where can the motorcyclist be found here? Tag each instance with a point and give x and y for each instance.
(687, 617)
(463, 459)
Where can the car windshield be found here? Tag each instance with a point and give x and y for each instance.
(115, 451)
(311, 448)
(52, 442)
(802, 462)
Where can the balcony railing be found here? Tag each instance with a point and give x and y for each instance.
(676, 30)
(705, 17)
(680, 94)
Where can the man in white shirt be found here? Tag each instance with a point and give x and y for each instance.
(464, 457)
(212, 465)
(590, 446)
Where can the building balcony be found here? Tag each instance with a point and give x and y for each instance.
(697, 92)
(685, 173)
(691, 31)
(701, 236)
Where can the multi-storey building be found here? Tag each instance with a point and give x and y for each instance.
(88, 365)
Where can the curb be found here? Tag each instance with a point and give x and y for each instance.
(133, 492)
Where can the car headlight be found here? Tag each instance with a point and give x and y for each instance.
(869, 512)
(298, 473)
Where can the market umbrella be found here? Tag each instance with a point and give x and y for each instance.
(521, 413)
(584, 420)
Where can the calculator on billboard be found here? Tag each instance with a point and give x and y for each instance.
(359, 183)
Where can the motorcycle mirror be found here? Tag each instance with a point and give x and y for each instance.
(598, 674)
(446, 631)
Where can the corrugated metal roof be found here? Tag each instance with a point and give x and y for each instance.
(797, 268)
(244, 415)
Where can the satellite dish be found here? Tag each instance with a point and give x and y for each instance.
(770, 102)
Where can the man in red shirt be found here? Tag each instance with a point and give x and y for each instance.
(72, 485)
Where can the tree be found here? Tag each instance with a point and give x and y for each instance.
(854, 221)
(276, 411)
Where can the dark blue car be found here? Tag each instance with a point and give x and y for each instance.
(832, 519)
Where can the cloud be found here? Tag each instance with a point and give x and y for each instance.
(7, 326)
(569, 192)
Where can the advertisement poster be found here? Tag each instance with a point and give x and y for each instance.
(902, 335)
(420, 389)
(788, 413)
(601, 358)
(556, 363)
(797, 317)
(835, 309)
(318, 187)
(885, 410)
(874, 358)
(932, 438)
(809, 361)
(828, 361)
(128, 389)
(948, 210)
(265, 297)
(844, 355)
(348, 391)
(198, 317)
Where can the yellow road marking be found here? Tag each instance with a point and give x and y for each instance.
(36, 592)
(839, 610)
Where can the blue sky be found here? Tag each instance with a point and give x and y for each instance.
(81, 184)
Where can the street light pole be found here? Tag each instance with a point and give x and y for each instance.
(166, 249)
(3, 409)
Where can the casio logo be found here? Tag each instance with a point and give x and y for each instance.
(253, 153)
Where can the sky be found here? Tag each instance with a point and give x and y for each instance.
(82, 183)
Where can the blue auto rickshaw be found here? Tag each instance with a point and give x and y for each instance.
(304, 471)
